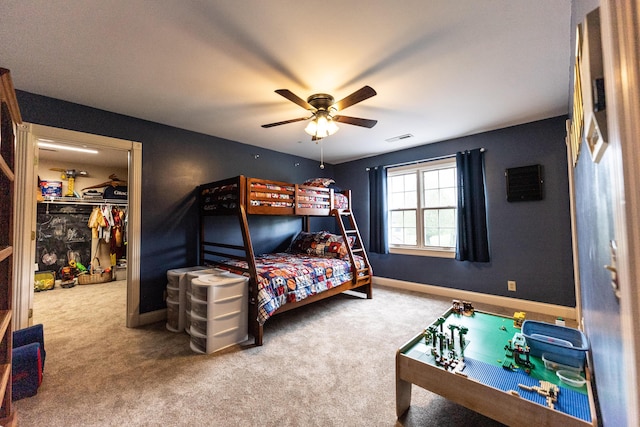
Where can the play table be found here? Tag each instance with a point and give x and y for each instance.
(468, 359)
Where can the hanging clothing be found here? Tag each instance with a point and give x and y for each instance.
(95, 222)
(116, 228)
(107, 222)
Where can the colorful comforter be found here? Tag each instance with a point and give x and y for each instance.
(285, 277)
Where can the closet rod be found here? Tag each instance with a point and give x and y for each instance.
(67, 201)
(415, 162)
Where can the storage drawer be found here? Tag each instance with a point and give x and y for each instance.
(198, 343)
(173, 315)
(201, 343)
(208, 326)
(199, 308)
(213, 309)
(198, 274)
(213, 287)
(176, 274)
(173, 293)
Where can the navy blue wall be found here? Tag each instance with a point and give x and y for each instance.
(174, 162)
(530, 241)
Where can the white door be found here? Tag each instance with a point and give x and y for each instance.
(621, 34)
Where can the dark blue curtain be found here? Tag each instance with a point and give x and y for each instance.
(378, 240)
(473, 243)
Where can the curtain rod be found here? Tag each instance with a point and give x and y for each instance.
(415, 162)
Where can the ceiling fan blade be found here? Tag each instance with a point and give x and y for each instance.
(357, 96)
(270, 125)
(365, 123)
(295, 99)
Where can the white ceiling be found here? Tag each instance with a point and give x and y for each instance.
(442, 68)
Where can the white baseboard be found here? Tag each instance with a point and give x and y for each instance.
(152, 317)
(476, 297)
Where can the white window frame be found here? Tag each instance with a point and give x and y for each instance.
(420, 249)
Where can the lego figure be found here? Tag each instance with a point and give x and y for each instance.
(518, 318)
(457, 306)
(467, 308)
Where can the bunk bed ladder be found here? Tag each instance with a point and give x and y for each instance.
(359, 275)
(255, 328)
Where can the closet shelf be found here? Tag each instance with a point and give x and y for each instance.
(92, 202)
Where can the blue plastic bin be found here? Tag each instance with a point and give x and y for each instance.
(558, 343)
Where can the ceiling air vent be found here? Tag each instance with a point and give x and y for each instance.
(399, 138)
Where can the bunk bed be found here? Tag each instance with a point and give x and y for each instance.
(317, 265)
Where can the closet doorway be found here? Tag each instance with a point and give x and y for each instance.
(76, 182)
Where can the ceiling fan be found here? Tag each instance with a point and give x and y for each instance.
(324, 111)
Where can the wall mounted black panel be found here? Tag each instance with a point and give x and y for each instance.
(524, 183)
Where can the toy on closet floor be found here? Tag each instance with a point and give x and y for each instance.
(70, 272)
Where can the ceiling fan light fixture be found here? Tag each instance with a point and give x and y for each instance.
(323, 112)
(321, 126)
(311, 128)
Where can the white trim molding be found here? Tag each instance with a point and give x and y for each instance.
(26, 208)
(152, 317)
(476, 297)
(134, 227)
(24, 229)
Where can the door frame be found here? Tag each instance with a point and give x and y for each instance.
(621, 32)
(26, 183)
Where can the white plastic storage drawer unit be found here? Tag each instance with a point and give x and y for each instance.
(219, 305)
(176, 282)
(185, 308)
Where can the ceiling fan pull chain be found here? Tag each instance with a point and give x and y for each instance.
(321, 155)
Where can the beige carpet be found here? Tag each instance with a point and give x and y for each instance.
(327, 364)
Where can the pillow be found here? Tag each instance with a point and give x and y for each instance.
(321, 244)
(319, 182)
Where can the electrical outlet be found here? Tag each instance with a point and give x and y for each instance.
(511, 285)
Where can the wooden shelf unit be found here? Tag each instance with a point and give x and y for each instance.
(9, 118)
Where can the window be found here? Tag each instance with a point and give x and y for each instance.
(422, 201)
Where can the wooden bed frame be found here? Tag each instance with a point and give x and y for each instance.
(242, 196)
